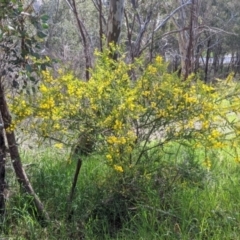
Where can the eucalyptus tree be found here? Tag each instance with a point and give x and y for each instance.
(227, 44)
(186, 32)
(201, 29)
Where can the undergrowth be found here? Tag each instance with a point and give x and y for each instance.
(180, 197)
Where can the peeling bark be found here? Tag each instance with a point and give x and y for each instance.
(115, 22)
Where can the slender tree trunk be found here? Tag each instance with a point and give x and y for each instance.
(216, 57)
(101, 34)
(187, 25)
(72, 191)
(189, 51)
(15, 156)
(237, 64)
(207, 60)
(2, 170)
(188, 64)
(83, 33)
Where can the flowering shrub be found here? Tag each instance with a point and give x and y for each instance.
(128, 118)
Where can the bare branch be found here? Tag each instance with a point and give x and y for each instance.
(69, 4)
(171, 15)
(84, 35)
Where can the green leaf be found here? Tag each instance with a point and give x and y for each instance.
(34, 89)
(44, 18)
(33, 79)
(41, 34)
(43, 67)
(45, 26)
(28, 68)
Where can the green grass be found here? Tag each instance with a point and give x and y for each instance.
(181, 199)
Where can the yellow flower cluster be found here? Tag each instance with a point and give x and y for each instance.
(124, 113)
(118, 168)
(116, 140)
(207, 163)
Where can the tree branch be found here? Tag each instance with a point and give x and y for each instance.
(171, 15)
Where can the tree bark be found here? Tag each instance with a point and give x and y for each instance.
(188, 34)
(15, 156)
(207, 60)
(115, 22)
(190, 47)
(2, 170)
(72, 191)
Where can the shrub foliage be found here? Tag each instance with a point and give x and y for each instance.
(127, 119)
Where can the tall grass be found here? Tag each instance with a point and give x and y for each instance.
(178, 198)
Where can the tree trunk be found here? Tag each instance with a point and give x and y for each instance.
(84, 36)
(237, 64)
(72, 191)
(115, 22)
(207, 60)
(216, 58)
(15, 156)
(188, 34)
(2, 171)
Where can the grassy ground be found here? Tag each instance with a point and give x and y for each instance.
(182, 199)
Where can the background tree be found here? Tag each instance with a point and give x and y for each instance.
(171, 28)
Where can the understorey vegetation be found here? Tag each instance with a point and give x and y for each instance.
(147, 153)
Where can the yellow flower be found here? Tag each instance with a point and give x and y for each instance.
(205, 125)
(58, 145)
(191, 123)
(215, 133)
(218, 145)
(237, 159)
(207, 163)
(118, 168)
(109, 157)
(56, 126)
(112, 139)
(71, 89)
(153, 104)
(129, 149)
(191, 100)
(158, 59)
(201, 116)
(152, 69)
(11, 128)
(118, 125)
(43, 88)
(146, 93)
(47, 104)
(197, 145)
